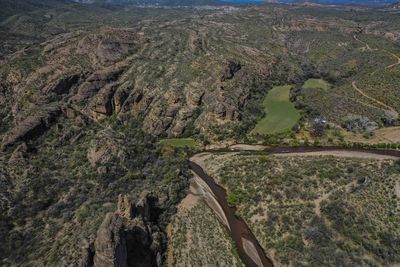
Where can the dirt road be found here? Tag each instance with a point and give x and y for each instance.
(355, 87)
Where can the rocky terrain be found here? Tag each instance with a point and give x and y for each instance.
(130, 236)
(116, 73)
(87, 91)
(187, 76)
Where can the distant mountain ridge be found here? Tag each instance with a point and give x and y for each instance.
(345, 2)
(153, 2)
(28, 5)
(10, 7)
(395, 5)
(13, 6)
(219, 2)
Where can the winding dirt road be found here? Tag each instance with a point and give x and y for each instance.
(366, 47)
(394, 64)
(391, 65)
(355, 87)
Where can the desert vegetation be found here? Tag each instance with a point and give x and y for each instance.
(197, 238)
(75, 185)
(101, 100)
(317, 210)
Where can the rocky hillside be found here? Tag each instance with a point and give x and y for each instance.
(172, 77)
(194, 75)
(86, 92)
(9, 7)
(152, 2)
(80, 113)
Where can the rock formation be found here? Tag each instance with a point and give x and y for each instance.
(32, 126)
(128, 237)
(110, 244)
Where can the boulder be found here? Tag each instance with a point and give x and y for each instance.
(69, 112)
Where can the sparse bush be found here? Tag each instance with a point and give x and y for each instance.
(390, 118)
(286, 188)
(356, 123)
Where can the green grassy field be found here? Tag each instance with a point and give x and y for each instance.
(316, 83)
(180, 142)
(281, 113)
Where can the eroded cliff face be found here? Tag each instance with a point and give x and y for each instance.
(177, 76)
(171, 77)
(128, 237)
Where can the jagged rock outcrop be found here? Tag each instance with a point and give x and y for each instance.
(101, 105)
(129, 236)
(34, 125)
(124, 207)
(110, 244)
(161, 116)
(62, 86)
(138, 101)
(96, 81)
(230, 95)
(134, 73)
(230, 70)
(119, 98)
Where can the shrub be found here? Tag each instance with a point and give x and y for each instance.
(359, 124)
(234, 199)
(390, 118)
